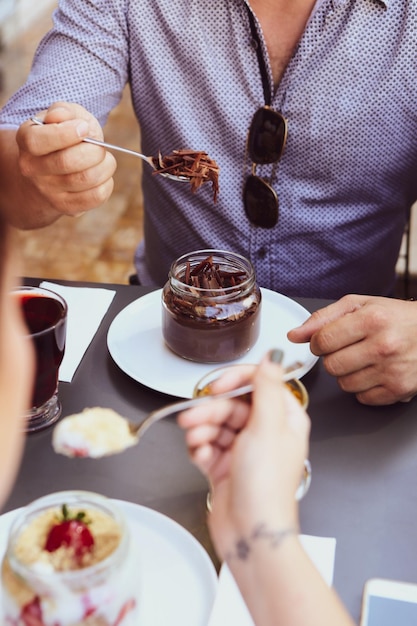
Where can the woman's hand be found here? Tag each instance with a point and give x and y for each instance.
(252, 454)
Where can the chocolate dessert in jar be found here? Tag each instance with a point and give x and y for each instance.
(211, 306)
(70, 560)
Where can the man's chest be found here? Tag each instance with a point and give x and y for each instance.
(282, 25)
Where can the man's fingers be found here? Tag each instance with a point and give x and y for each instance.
(324, 316)
(42, 140)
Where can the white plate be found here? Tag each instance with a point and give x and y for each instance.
(136, 344)
(179, 580)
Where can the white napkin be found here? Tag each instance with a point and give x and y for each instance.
(86, 308)
(230, 608)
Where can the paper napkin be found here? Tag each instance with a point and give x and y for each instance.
(229, 606)
(86, 309)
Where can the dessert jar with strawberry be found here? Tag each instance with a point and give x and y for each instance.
(71, 560)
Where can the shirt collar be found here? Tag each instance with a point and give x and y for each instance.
(339, 3)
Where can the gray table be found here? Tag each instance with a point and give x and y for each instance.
(364, 488)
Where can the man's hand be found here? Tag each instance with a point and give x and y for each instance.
(71, 175)
(369, 344)
(49, 171)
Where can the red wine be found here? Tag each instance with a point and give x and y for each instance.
(45, 318)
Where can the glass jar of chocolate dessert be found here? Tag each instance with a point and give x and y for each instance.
(70, 559)
(211, 306)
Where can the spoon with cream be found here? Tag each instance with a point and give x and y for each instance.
(97, 432)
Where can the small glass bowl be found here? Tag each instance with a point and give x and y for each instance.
(202, 387)
(302, 490)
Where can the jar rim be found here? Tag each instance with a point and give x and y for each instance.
(227, 255)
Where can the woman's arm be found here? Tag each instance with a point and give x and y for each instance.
(253, 455)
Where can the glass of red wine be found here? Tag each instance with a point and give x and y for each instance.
(45, 314)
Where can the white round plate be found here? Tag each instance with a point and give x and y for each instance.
(136, 344)
(178, 578)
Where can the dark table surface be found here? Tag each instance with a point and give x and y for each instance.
(364, 459)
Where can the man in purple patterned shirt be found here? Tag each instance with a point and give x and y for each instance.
(343, 75)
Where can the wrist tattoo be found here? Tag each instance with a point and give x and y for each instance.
(261, 532)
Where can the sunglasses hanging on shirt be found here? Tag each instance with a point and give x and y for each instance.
(265, 143)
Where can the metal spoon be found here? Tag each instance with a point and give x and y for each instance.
(101, 432)
(149, 160)
(176, 407)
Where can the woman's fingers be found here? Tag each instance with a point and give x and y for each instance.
(233, 413)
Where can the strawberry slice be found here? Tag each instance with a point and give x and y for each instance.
(31, 614)
(71, 532)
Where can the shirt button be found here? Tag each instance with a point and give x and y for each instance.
(261, 253)
(254, 44)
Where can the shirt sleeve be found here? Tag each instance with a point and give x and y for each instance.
(84, 59)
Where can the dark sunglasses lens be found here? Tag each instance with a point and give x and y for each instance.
(261, 202)
(267, 134)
